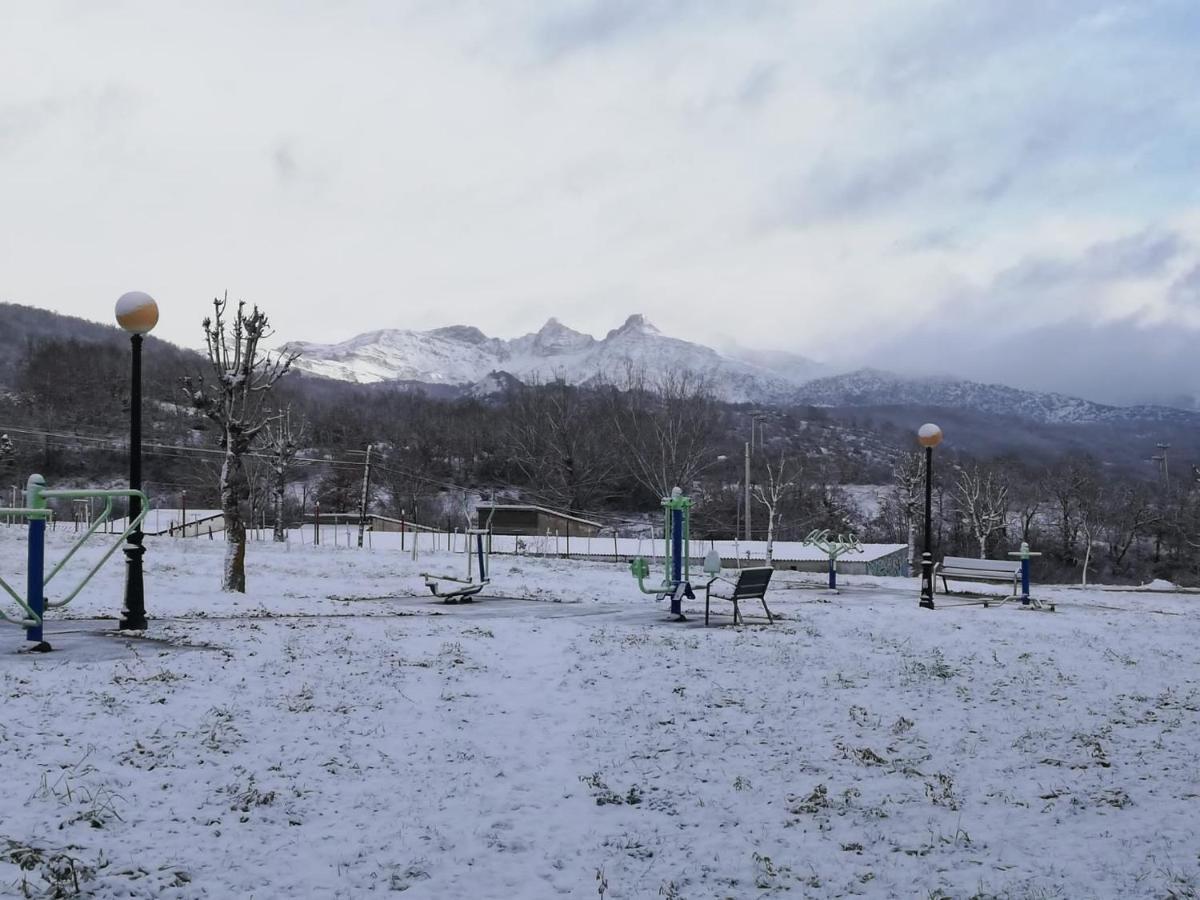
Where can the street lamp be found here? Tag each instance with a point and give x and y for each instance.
(928, 436)
(137, 313)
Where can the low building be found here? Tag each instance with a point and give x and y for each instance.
(531, 521)
(870, 559)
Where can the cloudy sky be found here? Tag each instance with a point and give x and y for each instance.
(1003, 189)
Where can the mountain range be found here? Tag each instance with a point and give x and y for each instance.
(462, 355)
(461, 359)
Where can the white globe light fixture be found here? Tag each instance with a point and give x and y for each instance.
(137, 312)
(929, 435)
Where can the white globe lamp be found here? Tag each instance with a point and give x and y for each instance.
(137, 312)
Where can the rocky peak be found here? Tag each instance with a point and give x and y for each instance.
(467, 334)
(635, 324)
(555, 337)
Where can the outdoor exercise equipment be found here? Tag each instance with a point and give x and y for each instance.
(833, 547)
(35, 603)
(470, 586)
(676, 581)
(1028, 602)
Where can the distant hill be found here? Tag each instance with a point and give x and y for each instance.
(25, 329)
(875, 388)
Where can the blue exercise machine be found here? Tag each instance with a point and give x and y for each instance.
(34, 604)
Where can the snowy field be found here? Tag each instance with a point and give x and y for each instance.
(334, 734)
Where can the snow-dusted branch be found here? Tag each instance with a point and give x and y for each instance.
(240, 378)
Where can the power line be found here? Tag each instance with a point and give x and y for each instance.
(169, 450)
(184, 452)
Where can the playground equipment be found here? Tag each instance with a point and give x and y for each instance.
(1027, 602)
(676, 581)
(35, 603)
(469, 586)
(833, 547)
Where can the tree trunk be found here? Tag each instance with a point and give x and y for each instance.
(770, 556)
(233, 477)
(280, 536)
(982, 546)
(912, 538)
(1087, 558)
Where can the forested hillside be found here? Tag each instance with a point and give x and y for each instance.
(610, 451)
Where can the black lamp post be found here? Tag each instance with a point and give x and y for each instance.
(137, 313)
(928, 436)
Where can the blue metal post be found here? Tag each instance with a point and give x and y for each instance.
(676, 561)
(37, 565)
(676, 546)
(482, 567)
(1025, 555)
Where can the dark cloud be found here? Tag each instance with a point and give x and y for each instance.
(1185, 290)
(1141, 255)
(984, 336)
(758, 86)
(284, 161)
(835, 189)
(88, 111)
(1136, 256)
(601, 22)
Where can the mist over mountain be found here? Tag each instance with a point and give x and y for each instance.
(1121, 362)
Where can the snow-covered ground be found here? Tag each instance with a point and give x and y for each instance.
(333, 734)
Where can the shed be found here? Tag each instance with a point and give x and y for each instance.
(526, 520)
(869, 559)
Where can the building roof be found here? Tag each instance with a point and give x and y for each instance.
(795, 551)
(542, 509)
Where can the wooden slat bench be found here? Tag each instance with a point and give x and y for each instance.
(751, 584)
(963, 568)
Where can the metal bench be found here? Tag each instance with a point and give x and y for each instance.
(963, 568)
(751, 584)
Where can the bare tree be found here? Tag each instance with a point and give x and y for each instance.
(555, 436)
(771, 491)
(665, 427)
(8, 456)
(283, 443)
(983, 501)
(242, 376)
(1128, 515)
(1065, 484)
(908, 479)
(1027, 504)
(1089, 514)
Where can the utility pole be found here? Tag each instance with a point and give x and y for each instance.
(747, 491)
(362, 503)
(1161, 459)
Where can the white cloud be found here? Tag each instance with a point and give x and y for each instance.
(815, 176)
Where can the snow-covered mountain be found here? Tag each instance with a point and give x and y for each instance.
(465, 356)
